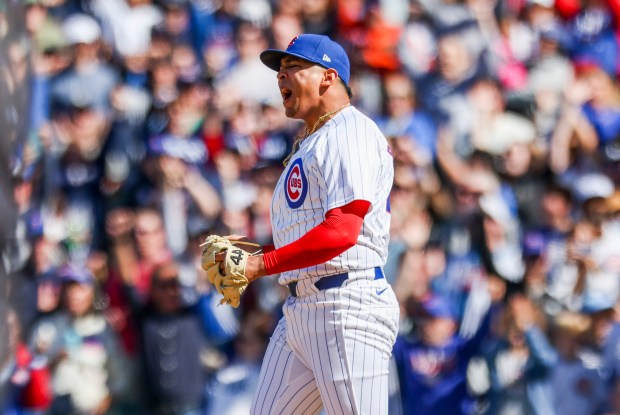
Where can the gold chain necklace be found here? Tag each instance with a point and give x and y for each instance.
(299, 138)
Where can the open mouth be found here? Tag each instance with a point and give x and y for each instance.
(286, 94)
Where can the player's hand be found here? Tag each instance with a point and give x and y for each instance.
(221, 258)
(254, 268)
(243, 242)
(226, 266)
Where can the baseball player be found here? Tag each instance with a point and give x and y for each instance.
(330, 215)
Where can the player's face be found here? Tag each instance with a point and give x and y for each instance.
(299, 82)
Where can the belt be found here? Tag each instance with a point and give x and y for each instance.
(331, 281)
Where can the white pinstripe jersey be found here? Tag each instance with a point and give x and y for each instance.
(347, 159)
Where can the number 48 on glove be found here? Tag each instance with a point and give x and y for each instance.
(233, 282)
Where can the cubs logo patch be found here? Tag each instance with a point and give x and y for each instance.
(296, 185)
(292, 41)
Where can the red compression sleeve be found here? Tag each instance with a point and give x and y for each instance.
(337, 233)
(268, 248)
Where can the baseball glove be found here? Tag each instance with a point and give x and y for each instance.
(233, 282)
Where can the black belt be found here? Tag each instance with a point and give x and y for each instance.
(331, 281)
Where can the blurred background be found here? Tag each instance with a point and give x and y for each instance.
(132, 129)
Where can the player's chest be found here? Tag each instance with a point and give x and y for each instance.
(298, 187)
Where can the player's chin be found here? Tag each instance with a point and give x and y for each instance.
(291, 111)
(291, 106)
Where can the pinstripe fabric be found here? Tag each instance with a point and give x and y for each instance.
(332, 348)
(345, 160)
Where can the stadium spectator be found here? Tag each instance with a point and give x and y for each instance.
(85, 357)
(432, 365)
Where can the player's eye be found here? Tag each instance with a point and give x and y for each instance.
(289, 64)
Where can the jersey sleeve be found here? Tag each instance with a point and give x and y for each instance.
(337, 233)
(349, 163)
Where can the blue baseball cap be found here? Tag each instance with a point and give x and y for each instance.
(595, 302)
(438, 307)
(73, 273)
(317, 49)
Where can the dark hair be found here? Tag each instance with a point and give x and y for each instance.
(163, 268)
(346, 88)
(559, 189)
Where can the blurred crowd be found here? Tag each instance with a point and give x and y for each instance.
(142, 126)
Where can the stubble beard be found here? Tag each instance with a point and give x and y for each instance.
(291, 111)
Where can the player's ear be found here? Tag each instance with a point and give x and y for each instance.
(330, 77)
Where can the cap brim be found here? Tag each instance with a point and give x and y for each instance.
(272, 57)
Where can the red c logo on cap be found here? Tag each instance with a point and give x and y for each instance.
(292, 41)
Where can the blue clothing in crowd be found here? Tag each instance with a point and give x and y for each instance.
(433, 380)
(530, 388)
(606, 122)
(417, 125)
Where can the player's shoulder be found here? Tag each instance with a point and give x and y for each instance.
(359, 116)
(354, 121)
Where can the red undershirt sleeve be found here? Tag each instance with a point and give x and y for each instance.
(337, 233)
(268, 248)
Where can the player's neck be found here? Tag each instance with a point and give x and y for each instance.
(313, 126)
(323, 114)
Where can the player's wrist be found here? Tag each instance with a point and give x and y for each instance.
(255, 268)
